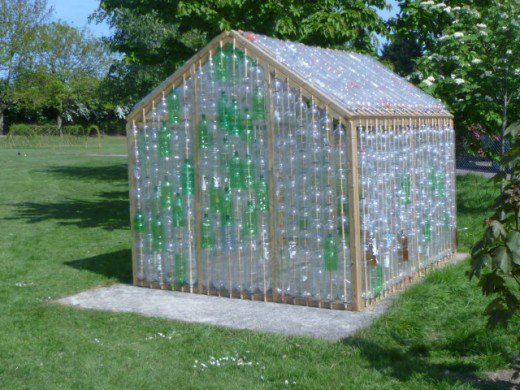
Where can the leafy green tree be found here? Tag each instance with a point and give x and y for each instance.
(157, 36)
(21, 22)
(68, 73)
(470, 58)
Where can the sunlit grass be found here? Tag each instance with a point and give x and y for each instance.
(64, 229)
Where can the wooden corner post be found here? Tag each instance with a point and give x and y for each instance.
(131, 138)
(354, 218)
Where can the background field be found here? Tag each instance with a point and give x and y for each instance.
(64, 229)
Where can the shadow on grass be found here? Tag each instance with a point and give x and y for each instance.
(109, 212)
(114, 265)
(112, 172)
(403, 364)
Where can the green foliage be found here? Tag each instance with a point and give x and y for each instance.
(68, 73)
(156, 37)
(495, 259)
(21, 23)
(469, 57)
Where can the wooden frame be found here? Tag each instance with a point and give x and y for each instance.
(335, 109)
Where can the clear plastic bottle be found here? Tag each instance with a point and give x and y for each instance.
(174, 108)
(250, 220)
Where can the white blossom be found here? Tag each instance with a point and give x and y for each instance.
(456, 8)
(481, 25)
(444, 37)
(509, 52)
(447, 9)
(488, 98)
(504, 15)
(476, 61)
(427, 3)
(458, 34)
(483, 33)
(459, 81)
(441, 5)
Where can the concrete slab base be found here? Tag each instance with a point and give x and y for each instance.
(232, 313)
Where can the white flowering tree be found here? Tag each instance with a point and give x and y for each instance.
(470, 58)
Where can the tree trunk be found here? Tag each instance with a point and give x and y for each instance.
(59, 119)
(2, 121)
(503, 148)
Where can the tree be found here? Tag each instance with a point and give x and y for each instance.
(21, 23)
(69, 68)
(157, 36)
(470, 58)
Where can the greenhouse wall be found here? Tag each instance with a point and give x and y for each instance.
(244, 184)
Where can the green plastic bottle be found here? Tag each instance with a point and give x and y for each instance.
(157, 232)
(207, 237)
(235, 129)
(180, 268)
(236, 179)
(174, 108)
(165, 141)
(406, 189)
(188, 178)
(248, 134)
(178, 215)
(330, 254)
(258, 100)
(204, 136)
(262, 194)
(166, 193)
(215, 197)
(223, 111)
(222, 65)
(249, 173)
(376, 276)
(227, 206)
(139, 225)
(250, 220)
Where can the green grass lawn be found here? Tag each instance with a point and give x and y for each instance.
(64, 229)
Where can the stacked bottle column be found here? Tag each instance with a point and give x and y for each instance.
(233, 170)
(407, 201)
(313, 243)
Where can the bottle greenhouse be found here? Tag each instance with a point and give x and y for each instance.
(273, 171)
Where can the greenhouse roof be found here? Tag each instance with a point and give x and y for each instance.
(351, 84)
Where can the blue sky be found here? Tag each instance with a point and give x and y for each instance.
(76, 12)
